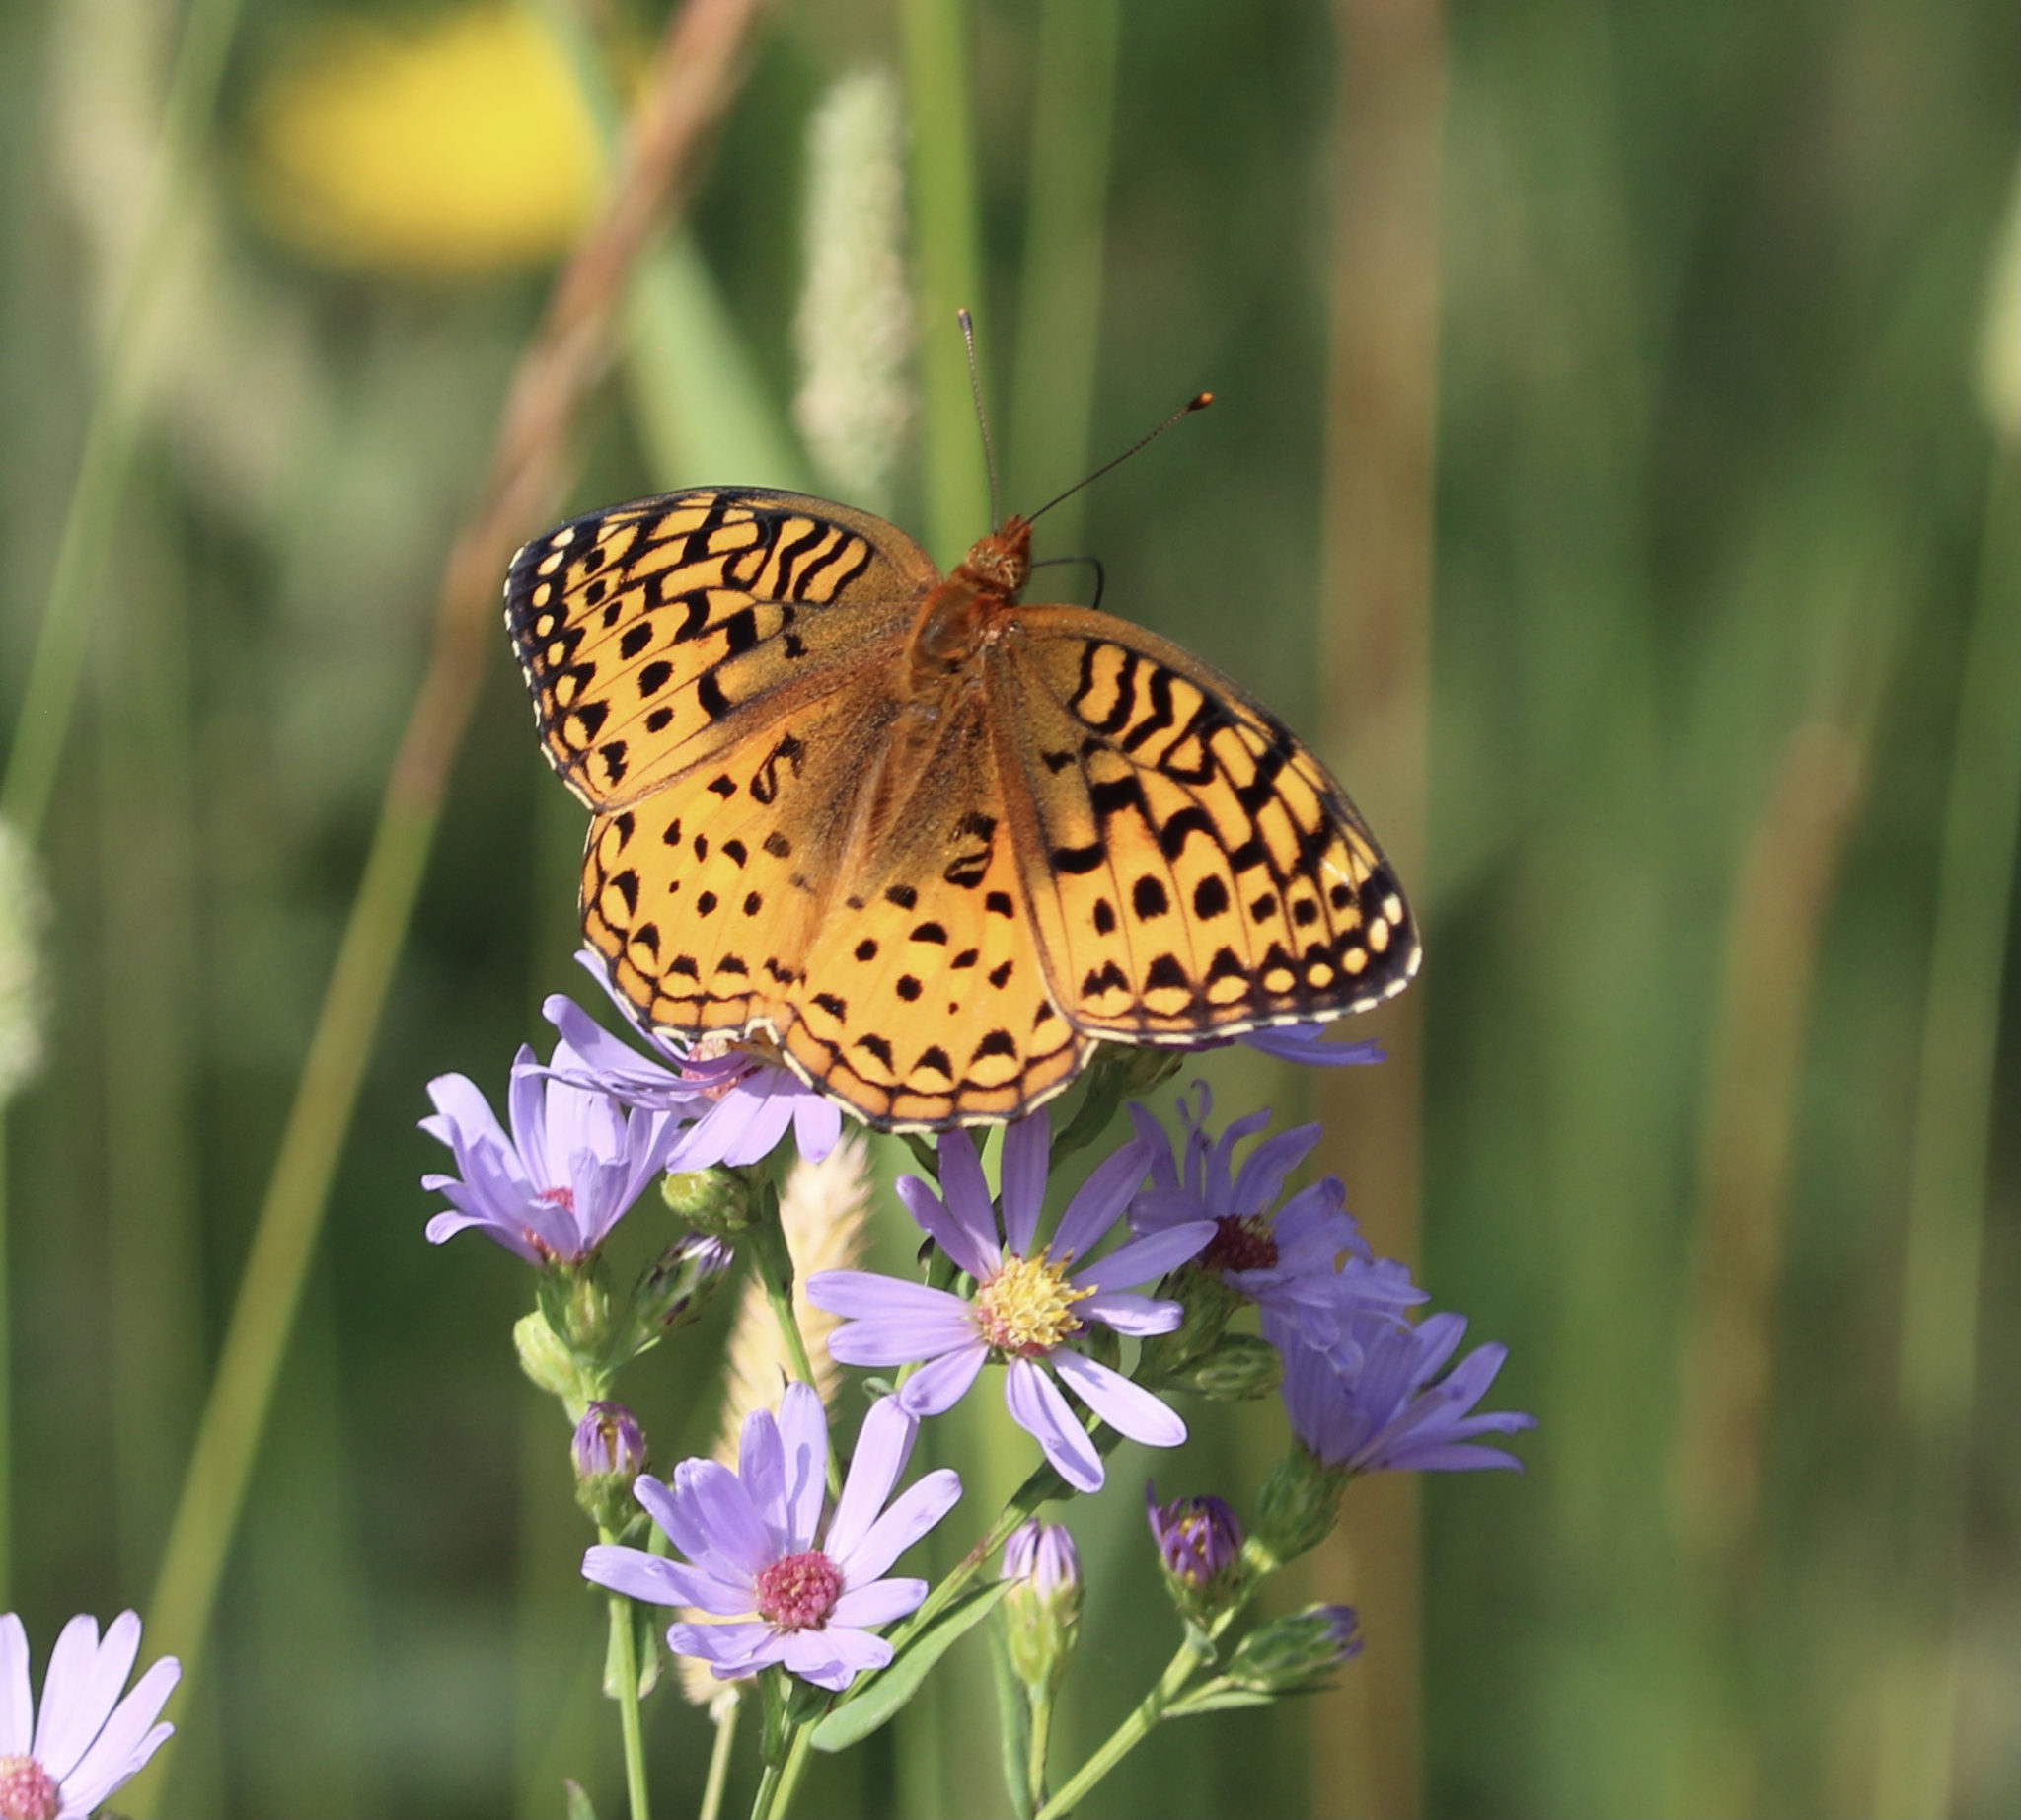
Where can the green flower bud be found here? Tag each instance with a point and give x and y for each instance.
(1041, 1613)
(1300, 1504)
(1239, 1367)
(1209, 1304)
(1294, 1655)
(715, 1200)
(551, 1364)
(682, 1282)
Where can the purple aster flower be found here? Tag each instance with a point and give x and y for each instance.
(1307, 1266)
(1369, 1404)
(749, 1537)
(741, 1101)
(552, 1188)
(1029, 1298)
(87, 1741)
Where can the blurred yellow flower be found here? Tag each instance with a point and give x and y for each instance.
(461, 146)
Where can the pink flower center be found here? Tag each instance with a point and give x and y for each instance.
(564, 1199)
(798, 1592)
(1241, 1243)
(28, 1791)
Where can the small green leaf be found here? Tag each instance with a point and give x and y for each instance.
(890, 1688)
(578, 1800)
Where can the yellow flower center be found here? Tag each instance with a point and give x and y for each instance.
(1027, 1308)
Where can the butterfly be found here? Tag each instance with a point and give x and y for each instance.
(931, 843)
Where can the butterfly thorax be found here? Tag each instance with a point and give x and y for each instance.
(953, 618)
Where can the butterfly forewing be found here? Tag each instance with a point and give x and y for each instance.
(653, 633)
(1193, 867)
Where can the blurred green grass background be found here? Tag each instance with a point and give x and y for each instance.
(1723, 552)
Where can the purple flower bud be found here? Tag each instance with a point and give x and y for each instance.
(609, 1443)
(1043, 1554)
(1041, 1613)
(1198, 1538)
(609, 1450)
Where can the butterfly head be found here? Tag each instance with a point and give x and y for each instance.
(1000, 563)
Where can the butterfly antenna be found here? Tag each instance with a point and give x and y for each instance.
(975, 390)
(1198, 402)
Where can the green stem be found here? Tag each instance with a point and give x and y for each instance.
(719, 1757)
(1129, 1734)
(775, 1265)
(768, 1787)
(624, 1669)
(1037, 1743)
(796, 1757)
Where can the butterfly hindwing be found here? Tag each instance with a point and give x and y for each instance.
(651, 634)
(1194, 870)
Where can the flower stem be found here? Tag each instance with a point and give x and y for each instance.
(1039, 1738)
(774, 1267)
(720, 1758)
(789, 1776)
(624, 1661)
(1128, 1735)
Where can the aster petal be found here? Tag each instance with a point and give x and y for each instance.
(965, 1191)
(1459, 1457)
(1164, 1176)
(936, 1387)
(833, 1658)
(913, 1512)
(464, 1111)
(676, 1515)
(1156, 1208)
(448, 1225)
(803, 1437)
(1306, 1043)
(1127, 1407)
(1102, 1198)
(17, 1703)
(82, 1682)
(1261, 1177)
(1146, 1259)
(652, 1579)
(899, 1342)
(737, 1540)
(1036, 1406)
(1137, 1315)
(615, 1065)
(761, 1469)
(731, 1649)
(972, 1249)
(863, 1295)
(817, 1125)
(1026, 1157)
(129, 1738)
(879, 1603)
(883, 1446)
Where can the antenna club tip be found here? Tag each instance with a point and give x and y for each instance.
(965, 319)
(1200, 401)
